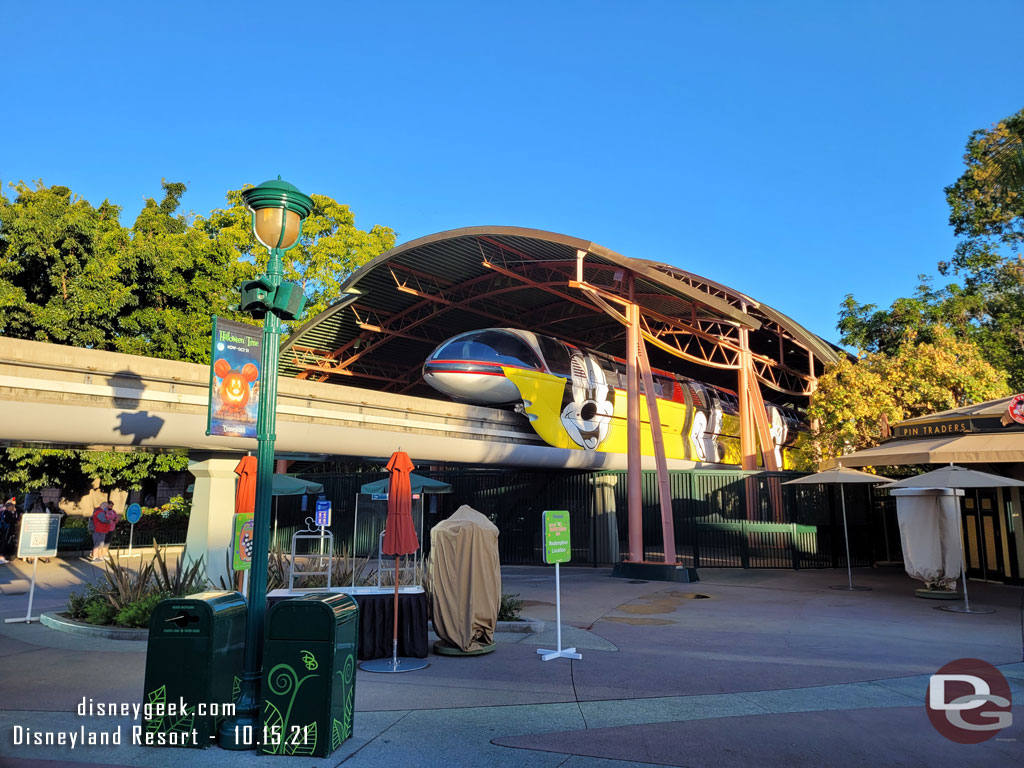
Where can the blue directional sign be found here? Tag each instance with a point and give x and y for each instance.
(379, 497)
(133, 514)
(323, 512)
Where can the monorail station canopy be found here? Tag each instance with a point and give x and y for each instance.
(401, 305)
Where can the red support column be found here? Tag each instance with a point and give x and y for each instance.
(633, 456)
(668, 535)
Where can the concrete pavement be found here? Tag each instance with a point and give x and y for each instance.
(772, 668)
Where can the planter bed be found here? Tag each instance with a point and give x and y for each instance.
(62, 623)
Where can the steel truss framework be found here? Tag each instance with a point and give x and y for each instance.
(682, 327)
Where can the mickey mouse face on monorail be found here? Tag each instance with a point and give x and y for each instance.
(587, 417)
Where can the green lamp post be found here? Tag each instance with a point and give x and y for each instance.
(278, 210)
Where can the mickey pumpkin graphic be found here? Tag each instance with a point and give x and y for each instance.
(235, 389)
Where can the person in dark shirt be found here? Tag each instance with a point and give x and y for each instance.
(8, 531)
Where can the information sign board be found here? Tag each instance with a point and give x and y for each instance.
(557, 545)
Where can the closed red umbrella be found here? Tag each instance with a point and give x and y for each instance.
(400, 533)
(245, 493)
(399, 539)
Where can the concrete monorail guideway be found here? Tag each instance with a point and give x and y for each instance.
(53, 395)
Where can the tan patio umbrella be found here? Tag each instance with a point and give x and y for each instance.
(840, 476)
(954, 476)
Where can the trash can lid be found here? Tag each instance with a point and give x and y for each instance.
(195, 614)
(343, 606)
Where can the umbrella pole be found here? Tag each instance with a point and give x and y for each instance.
(846, 537)
(848, 587)
(394, 640)
(966, 608)
(963, 578)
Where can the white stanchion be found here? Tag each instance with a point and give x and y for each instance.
(559, 653)
(28, 618)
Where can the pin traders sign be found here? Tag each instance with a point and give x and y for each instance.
(234, 379)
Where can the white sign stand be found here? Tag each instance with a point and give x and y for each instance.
(560, 653)
(131, 536)
(28, 618)
(33, 526)
(134, 508)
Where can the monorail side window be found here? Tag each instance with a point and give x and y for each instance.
(555, 355)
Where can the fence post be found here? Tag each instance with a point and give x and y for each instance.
(794, 546)
(744, 545)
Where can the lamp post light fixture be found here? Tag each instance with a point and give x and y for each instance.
(278, 210)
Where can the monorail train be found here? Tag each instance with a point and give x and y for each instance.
(576, 398)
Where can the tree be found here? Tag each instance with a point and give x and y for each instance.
(918, 378)
(70, 273)
(987, 202)
(59, 270)
(331, 247)
(180, 276)
(29, 469)
(985, 303)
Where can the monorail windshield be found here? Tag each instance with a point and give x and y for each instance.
(494, 347)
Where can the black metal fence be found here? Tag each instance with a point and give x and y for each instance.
(722, 518)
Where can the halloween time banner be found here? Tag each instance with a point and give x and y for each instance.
(234, 379)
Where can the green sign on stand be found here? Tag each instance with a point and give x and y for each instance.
(557, 546)
(243, 542)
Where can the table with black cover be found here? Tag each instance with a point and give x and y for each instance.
(376, 623)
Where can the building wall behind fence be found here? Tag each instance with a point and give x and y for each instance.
(793, 526)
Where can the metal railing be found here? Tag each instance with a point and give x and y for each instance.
(782, 527)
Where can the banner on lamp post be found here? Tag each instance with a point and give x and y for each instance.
(234, 379)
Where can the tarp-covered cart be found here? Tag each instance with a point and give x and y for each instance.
(465, 578)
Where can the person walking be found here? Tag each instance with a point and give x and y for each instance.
(8, 531)
(103, 520)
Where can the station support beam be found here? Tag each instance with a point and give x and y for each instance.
(638, 368)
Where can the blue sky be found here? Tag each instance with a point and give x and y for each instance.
(796, 151)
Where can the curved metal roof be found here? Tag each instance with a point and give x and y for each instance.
(399, 306)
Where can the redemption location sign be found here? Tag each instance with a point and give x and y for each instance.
(557, 545)
(241, 559)
(557, 549)
(234, 379)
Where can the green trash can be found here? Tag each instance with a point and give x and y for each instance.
(195, 655)
(309, 675)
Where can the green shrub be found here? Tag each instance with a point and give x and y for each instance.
(76, 605)
(137, 614)
(185, 579)
(78, 602)
(99, 611)
(74, 521)
(128, 593)
(511, 605)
